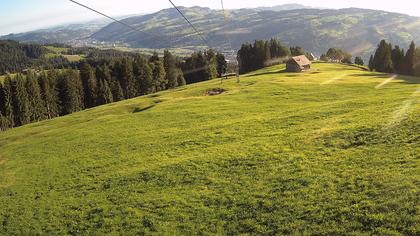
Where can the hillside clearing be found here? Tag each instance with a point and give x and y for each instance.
(278, 153)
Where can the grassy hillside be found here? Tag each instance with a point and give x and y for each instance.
(331, 151)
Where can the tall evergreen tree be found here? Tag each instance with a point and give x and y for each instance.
(408, 65)
(143, 76)
(371, 65)
(397, 57)
(7, 102)
(117, 91)
(36, 103)
(169, 63)
(126, 77)
(4, 122)
(104, 73)
(104, 93)
(359, 61)
(297, 51)
(49, 93)
(70, 92)
(382, 61)
(221, 64)
(210, 64)
(260, 54)
(245, 55)
(154, 57)
(158, 72)
(22, 113)
(90, 85)
(180, 78)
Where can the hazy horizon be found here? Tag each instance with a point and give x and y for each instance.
(28, 15)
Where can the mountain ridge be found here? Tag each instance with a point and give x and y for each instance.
(354, 29)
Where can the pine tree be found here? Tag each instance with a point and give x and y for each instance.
(21, 109)
(117, 91)
(104, 72)
(158, 72)
(78, 85)
(416, 66)
(90, 85)
(245, 55)
(143, 76)
(70, 92)
(382, 61)
(49, 93)
(397, 58)
(104, 93)
(103, 75)
(36, 103)
(180, 78)
(7, 102)
(260, 55)
(169, 63)
(4, 123)
(221, 64)
(359, 61)
(210, 64)
(297, 51)
(126, 77)
(154, 57)
(371, 65)
(387, 63)
(408, 65)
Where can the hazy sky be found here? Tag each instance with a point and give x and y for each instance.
(23, 15)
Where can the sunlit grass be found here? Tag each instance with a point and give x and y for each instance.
(278, 153)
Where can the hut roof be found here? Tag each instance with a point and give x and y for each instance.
(301, 60)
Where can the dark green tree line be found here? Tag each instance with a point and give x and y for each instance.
(262, 53)
(391, 59)
(47, 94)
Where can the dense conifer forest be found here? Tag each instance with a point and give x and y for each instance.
(105, 76)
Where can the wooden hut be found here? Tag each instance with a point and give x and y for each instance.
(298, 64)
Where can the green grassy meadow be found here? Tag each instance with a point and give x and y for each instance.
(322, 153)
(60, 51)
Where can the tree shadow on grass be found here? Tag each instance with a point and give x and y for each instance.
(139, 109)
(400, 78)
(292, 74)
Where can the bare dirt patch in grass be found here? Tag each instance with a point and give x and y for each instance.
(214, 91)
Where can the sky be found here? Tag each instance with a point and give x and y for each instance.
(25, 15)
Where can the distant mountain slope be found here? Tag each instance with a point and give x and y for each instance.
(356, 30)
(72, 33)
(285, 7)
(60, 34)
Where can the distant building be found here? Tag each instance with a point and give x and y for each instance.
(298, 64)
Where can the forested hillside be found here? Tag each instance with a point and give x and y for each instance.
(15, 57)
(42, 91)
(354, 30)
